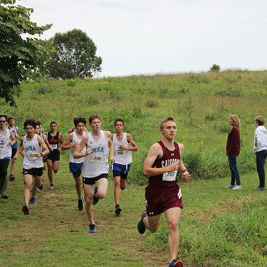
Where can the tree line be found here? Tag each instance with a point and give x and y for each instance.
(23, 55)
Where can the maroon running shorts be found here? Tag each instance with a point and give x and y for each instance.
(159, 200)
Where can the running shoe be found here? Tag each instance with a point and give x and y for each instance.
(96, 199)
(92, 229)
(117, 210)
(33, 201)
(80, 204)
(51, 187)
(25, 209)
(141, 227)
(176, 263)
(4, 197)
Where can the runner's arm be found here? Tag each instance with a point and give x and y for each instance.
(110, 146)
(78, 148)
(182, 168)
(21, 149)
(13, 139)
(67, 143)
(155, 152)
(45, 150)
(133, 146)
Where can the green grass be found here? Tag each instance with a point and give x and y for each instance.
(219, 227)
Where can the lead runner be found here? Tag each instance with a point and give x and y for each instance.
(163, 195)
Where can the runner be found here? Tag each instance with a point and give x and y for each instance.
(163, 195)
(123, 144)
(7, 139)
(32, 148)
(14, 130)
(54, 140)
(76, 164)
(99, 146)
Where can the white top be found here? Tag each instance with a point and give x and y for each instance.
(31, 147)
(122, 156)
(96, 163)
(260, 139)
(5, 147)
(76, 140)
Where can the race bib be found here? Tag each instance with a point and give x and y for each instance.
(120, 152)
(97, 158)
(169, 176)
(53, 146)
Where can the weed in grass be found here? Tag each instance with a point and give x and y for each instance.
(151, 103)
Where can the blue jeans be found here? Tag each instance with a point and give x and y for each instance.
(235, 177)
(260, 161)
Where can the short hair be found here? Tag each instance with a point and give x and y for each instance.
(53, 122)
(38, 123)
(77, 120)
(119, 120)
(236, 120)
(94, 116)
(10, 118)
(259, 120)
(30, 122)
(168, 119)
(3, 116)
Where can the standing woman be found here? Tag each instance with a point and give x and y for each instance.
(233, 150)
(260, 149)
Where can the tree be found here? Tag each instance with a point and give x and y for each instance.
(19, 47)
(74, 56)
(215, 67)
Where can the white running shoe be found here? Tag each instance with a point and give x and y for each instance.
(237, 187)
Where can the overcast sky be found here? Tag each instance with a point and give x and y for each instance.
(164, 36)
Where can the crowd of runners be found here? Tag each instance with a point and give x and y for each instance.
(92, 151)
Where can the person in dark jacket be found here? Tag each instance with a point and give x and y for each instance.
(233, 150)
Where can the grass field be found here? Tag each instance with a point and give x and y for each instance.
(218, 227)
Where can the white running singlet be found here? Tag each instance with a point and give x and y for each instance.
(96, 163)
(5, 147)
(76, 140)
(122, 156)
(30, 148)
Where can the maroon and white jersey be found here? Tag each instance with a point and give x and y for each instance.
(167, 179)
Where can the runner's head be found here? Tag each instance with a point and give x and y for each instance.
(30, 126)
(234, 120)
(168, 128)
(79, 124)
(119, 125)
(53, 126)
(95, 122)
(38, 127)
(3, 121)
(259, 120)
(11, 121)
